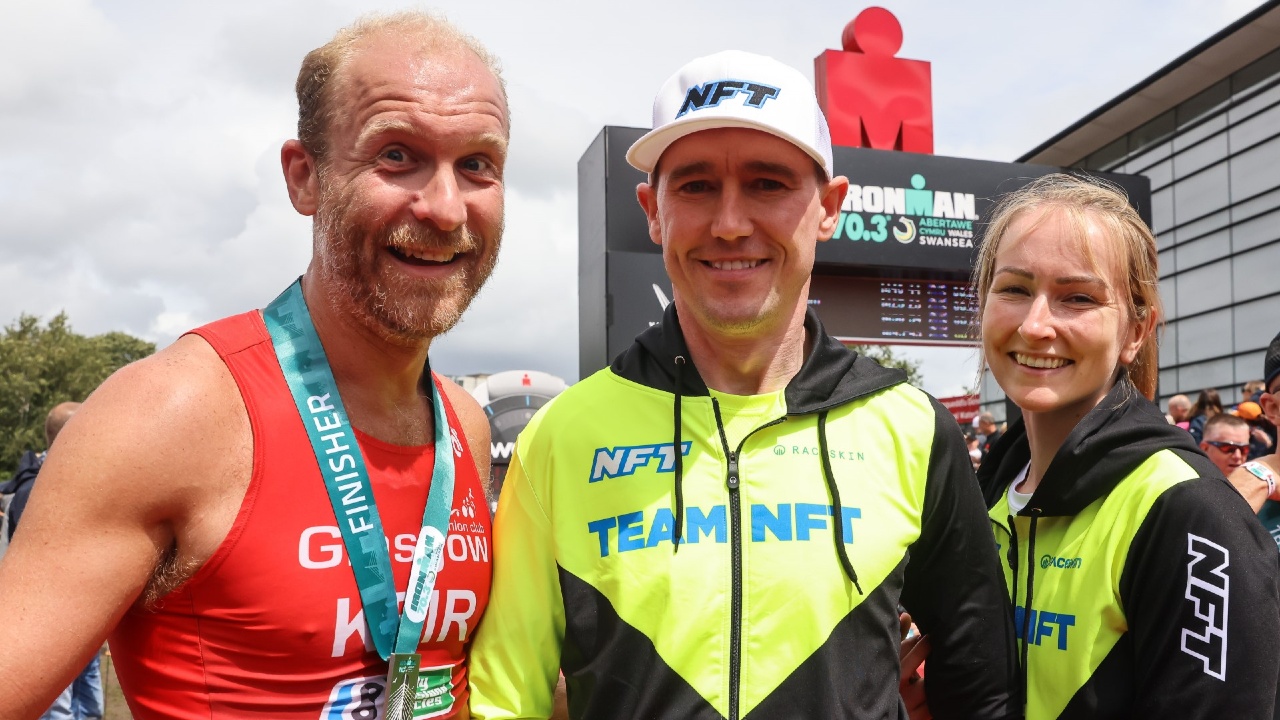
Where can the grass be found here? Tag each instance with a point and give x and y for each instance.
(115, 706)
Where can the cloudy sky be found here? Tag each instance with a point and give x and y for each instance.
(140, 186)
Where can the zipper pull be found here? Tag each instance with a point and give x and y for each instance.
(733, 471)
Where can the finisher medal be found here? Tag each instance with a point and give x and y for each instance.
(396, 636)
(402, 685)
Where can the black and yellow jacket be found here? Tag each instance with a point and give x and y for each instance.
(1152, 587)
(710, 582)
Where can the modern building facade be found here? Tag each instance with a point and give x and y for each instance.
(1205, 129)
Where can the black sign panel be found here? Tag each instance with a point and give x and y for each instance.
(903, 210)
(910, 211)
(910, 222)
(639, 291)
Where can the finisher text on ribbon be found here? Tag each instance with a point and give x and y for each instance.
(353, 496)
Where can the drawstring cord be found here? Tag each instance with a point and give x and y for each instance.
(837, 513)
(1012, 556)
(677, 446)
(828, 476)
(1026, 611)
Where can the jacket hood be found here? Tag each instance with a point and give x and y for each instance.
(1109, 443)
(28, 466)
(831, 375)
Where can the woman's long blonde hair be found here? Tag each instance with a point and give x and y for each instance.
(1079, 199)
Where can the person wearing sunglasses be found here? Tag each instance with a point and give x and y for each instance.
(1257, 480)
(1226, 441)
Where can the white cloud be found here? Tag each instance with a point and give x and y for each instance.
(139, 180)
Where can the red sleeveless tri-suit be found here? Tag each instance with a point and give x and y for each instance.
(272, 626)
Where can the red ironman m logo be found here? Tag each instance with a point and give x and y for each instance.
(871, 98)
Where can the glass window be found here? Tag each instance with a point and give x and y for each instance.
(1165, 261)
(1169, 344)
(1169, 294)
(1167, 384)
(1162, 210)
(1202, 193)
(1263, 126)
(996, 410)
(1258, 231)
(1146, 137)
(1206, 249)
(1208, 100)
(1219, 374)
(1156, 153)
(1203, 226)
(1109, 154)
(1260, 100)
(1255, 206)
(1200, 156)
(1255, 73)
(1230, 395)
(1164, 241)
(1255, 273)
(1249, 366)
(1160, 174)
(990, 391)
(1207, 128)
(1256, 323)
(1205, 288)
(1204, 336)
(1256, 170)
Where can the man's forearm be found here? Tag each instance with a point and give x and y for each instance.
(1252, 482)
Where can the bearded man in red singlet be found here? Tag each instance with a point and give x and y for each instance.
(204, 508)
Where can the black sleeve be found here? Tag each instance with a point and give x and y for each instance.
(955, 590)
(1201, 595)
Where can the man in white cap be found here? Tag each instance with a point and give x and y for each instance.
(723, 522)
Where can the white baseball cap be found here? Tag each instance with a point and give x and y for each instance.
(735, 89)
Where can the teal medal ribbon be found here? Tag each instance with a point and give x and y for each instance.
(315, 392)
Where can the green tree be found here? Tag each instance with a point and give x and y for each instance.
(884, 355)
(43, 365)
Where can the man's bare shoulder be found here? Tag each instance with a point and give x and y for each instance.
(164, 426)
(140, 484)
(475, 425)
(466, 408)
(182, 390)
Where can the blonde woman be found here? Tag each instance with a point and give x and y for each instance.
(1152, 590)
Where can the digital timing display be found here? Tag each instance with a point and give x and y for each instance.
(895, 311)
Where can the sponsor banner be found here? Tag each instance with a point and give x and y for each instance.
(963, 407)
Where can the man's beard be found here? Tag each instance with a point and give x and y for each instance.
(403, 309)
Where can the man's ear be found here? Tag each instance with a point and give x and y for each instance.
(831, 195)
(301, 177)
(647, 195)
(1270, 404)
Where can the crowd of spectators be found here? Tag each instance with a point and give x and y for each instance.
(1242, 431)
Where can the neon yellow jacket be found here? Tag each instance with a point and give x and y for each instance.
(1152, 587)
(761, 612)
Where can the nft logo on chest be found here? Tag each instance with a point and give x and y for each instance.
(1044, 625)
(713, 93)
(622, 461)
